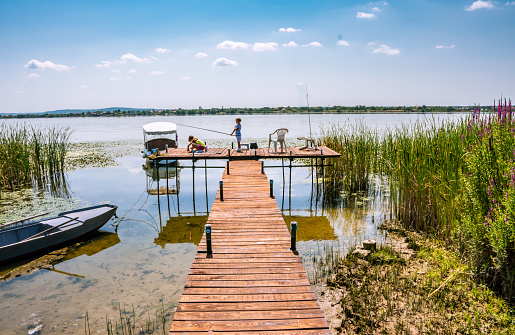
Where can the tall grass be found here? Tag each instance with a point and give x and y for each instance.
(32, 155)
(454, 180)
(423, 163)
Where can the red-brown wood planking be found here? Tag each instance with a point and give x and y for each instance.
(254, 284)
(251, 154)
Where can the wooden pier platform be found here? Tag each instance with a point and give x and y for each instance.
(253, 284)
(248, 154)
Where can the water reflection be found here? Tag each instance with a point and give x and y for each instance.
(96, 242)
(162, 179)
(182, 229)
(312, 228)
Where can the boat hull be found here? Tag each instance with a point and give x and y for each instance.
(50, 234)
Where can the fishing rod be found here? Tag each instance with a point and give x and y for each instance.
(309, 115)
(214, 131)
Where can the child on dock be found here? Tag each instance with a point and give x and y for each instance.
(195, 144)
(237, 129)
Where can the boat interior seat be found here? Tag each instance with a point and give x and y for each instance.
(161, 143)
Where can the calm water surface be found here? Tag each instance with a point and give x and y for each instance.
(146, 261)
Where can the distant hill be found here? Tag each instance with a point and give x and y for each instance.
(110, 109)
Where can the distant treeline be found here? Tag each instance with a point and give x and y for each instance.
(262, 110)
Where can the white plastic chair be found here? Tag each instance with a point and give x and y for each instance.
(279, 138)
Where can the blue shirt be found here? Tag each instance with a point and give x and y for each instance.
(238, 129)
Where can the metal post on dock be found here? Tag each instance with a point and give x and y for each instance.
(272, 188)
(157, 175)
(228, 168)
(293, 231)
(209, 248)
(262, 167)
(221, 190)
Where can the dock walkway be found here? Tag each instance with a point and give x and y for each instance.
(254, 284)
(260, 153)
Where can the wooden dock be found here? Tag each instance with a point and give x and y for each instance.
(260, 153)
(254, 283)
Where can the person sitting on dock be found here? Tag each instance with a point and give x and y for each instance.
(196, 144)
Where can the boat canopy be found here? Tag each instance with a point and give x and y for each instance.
(160, 128)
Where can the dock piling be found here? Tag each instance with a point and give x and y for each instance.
(262, 167)
(221, 190)
(293, 230)
(209, 247)
(272, 188)
(228, 168)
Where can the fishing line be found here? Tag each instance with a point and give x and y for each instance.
(214, 131)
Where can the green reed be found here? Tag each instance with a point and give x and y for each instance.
(423, 163)
(32, 155)
(454, 180)
(358, 145)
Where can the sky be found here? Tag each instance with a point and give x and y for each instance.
(69, 54)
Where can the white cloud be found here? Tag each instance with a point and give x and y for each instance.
(363, 15)
(446, 46)
(157, 73)
(269, 46)
(288, 30)
(510, 3)
(185, 77)
(35, 64)
(162, 50)
(222, 62)
(116, 71)
(479, 4)
(342, 42)
(33, 76)
(384, 49)
(376, 9)
(83, 86)
(116, 78)
(231, 45)
(201, 55)
(291, 44)
(313, 44)
(132, 71)
(132, 58)
(104, 63)
(19, 92)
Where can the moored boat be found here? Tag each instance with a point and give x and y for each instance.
(49, 234)
(159, 136)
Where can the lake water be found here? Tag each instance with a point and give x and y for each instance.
(144, 263)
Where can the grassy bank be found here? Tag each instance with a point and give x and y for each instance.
(453, 181)
(431, 292)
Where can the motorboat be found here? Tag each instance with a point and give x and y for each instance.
(159, 136)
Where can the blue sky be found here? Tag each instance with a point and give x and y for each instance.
(186, 54)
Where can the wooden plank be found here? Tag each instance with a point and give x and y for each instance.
(253, 283)
(249, 155)
(246, 306)
(249, 325)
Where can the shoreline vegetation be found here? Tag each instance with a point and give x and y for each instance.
(448, 190)
(452, 184)
(360, 109)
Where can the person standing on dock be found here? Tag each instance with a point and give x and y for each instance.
(195, 144)
(237, 129)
